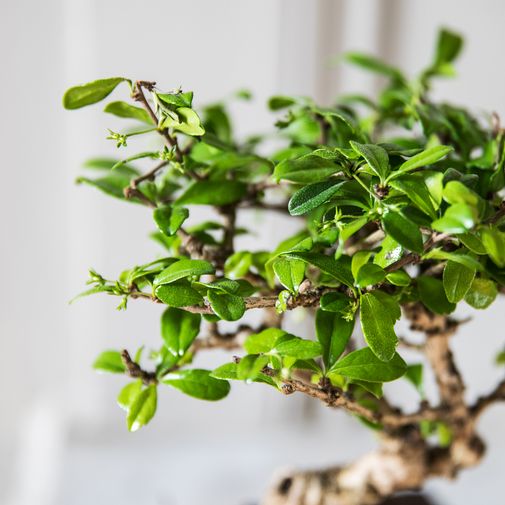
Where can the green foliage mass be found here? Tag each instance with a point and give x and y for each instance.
(398, 200)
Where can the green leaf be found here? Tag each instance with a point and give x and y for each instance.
(198, 384)
(92, 92)
(417, 191)
(264, 341)
(482, 293)
(238, 264)
(128, 394)
(414, 375)
(226, 306)
(290, 272)
(305, 170)
(427, 157)
(142, 408)
(335, 302)
(181, 269)
(364, 365)
(473, 242)
(280, 102)
(457, 280)
(374, 65)
(449, 45)
(176, 100)
(212, 193)
(229, 371)
(376, 157)
(250, 366)
(335, 268)
(109, 361)
(112, 184)
(178, 294)
(494, 242)
(296, 347)
(370, 274)
(187, 122)
(403, 230)
(432, 294)
(179, 329)
(169, 219)
(378, 326)
(458, 218)
(312, 196)
(456, 192)
(333, 333)
(125, 110)
(398, 278)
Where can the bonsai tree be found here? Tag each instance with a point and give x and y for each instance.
(400, 214)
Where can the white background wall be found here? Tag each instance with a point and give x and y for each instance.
(62, 439)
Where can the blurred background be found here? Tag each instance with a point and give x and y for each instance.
(63, 440)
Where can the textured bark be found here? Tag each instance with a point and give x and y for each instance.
(404, 460)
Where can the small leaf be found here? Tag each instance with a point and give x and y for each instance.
(169, 219)
(482, 293)
(333, 333)
(494, 242)
(364, 365)
(250, 366)
(432, 294)
(178, 294)
(109, 361)
(399, 278)
(128, 394)
(427, 157)
(376, 157)
(179, 329)
(212, 193)
(181, 269)
(457, 280)
(290, 272)
(378, 326)
(312, 196)
(92, 92)
(226, 306)
(142, 408)
(296, 347)
(305, 170)
(198, 384)
(403, 230)
(414, 375)
(264, 341)
(458, 218)
(335, 302)
(125, 110)
(280, 102)
(456, 192)
(370, 274)
(374, 65)
(229, 371)
(238, 264)
(335, 268)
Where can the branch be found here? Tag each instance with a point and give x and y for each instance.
(135, 371)
(483, 402)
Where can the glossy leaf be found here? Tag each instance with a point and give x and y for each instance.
(423, 159)
(142, 408)
(307, 169)
(403, 230)
(89, 93)
(212, 193)
(179, 329)
(290, 272)
(226, 306)
(183, 268)
(376, 157)
(482, 293)
(128, 111)
(109, 361)
(494, 242)
(199, 384)
(378, 326)
(457, 280)
(178, 294)
(169, 219)
(333, 333)
(363, 364)
(432, 294)
(312, 196)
